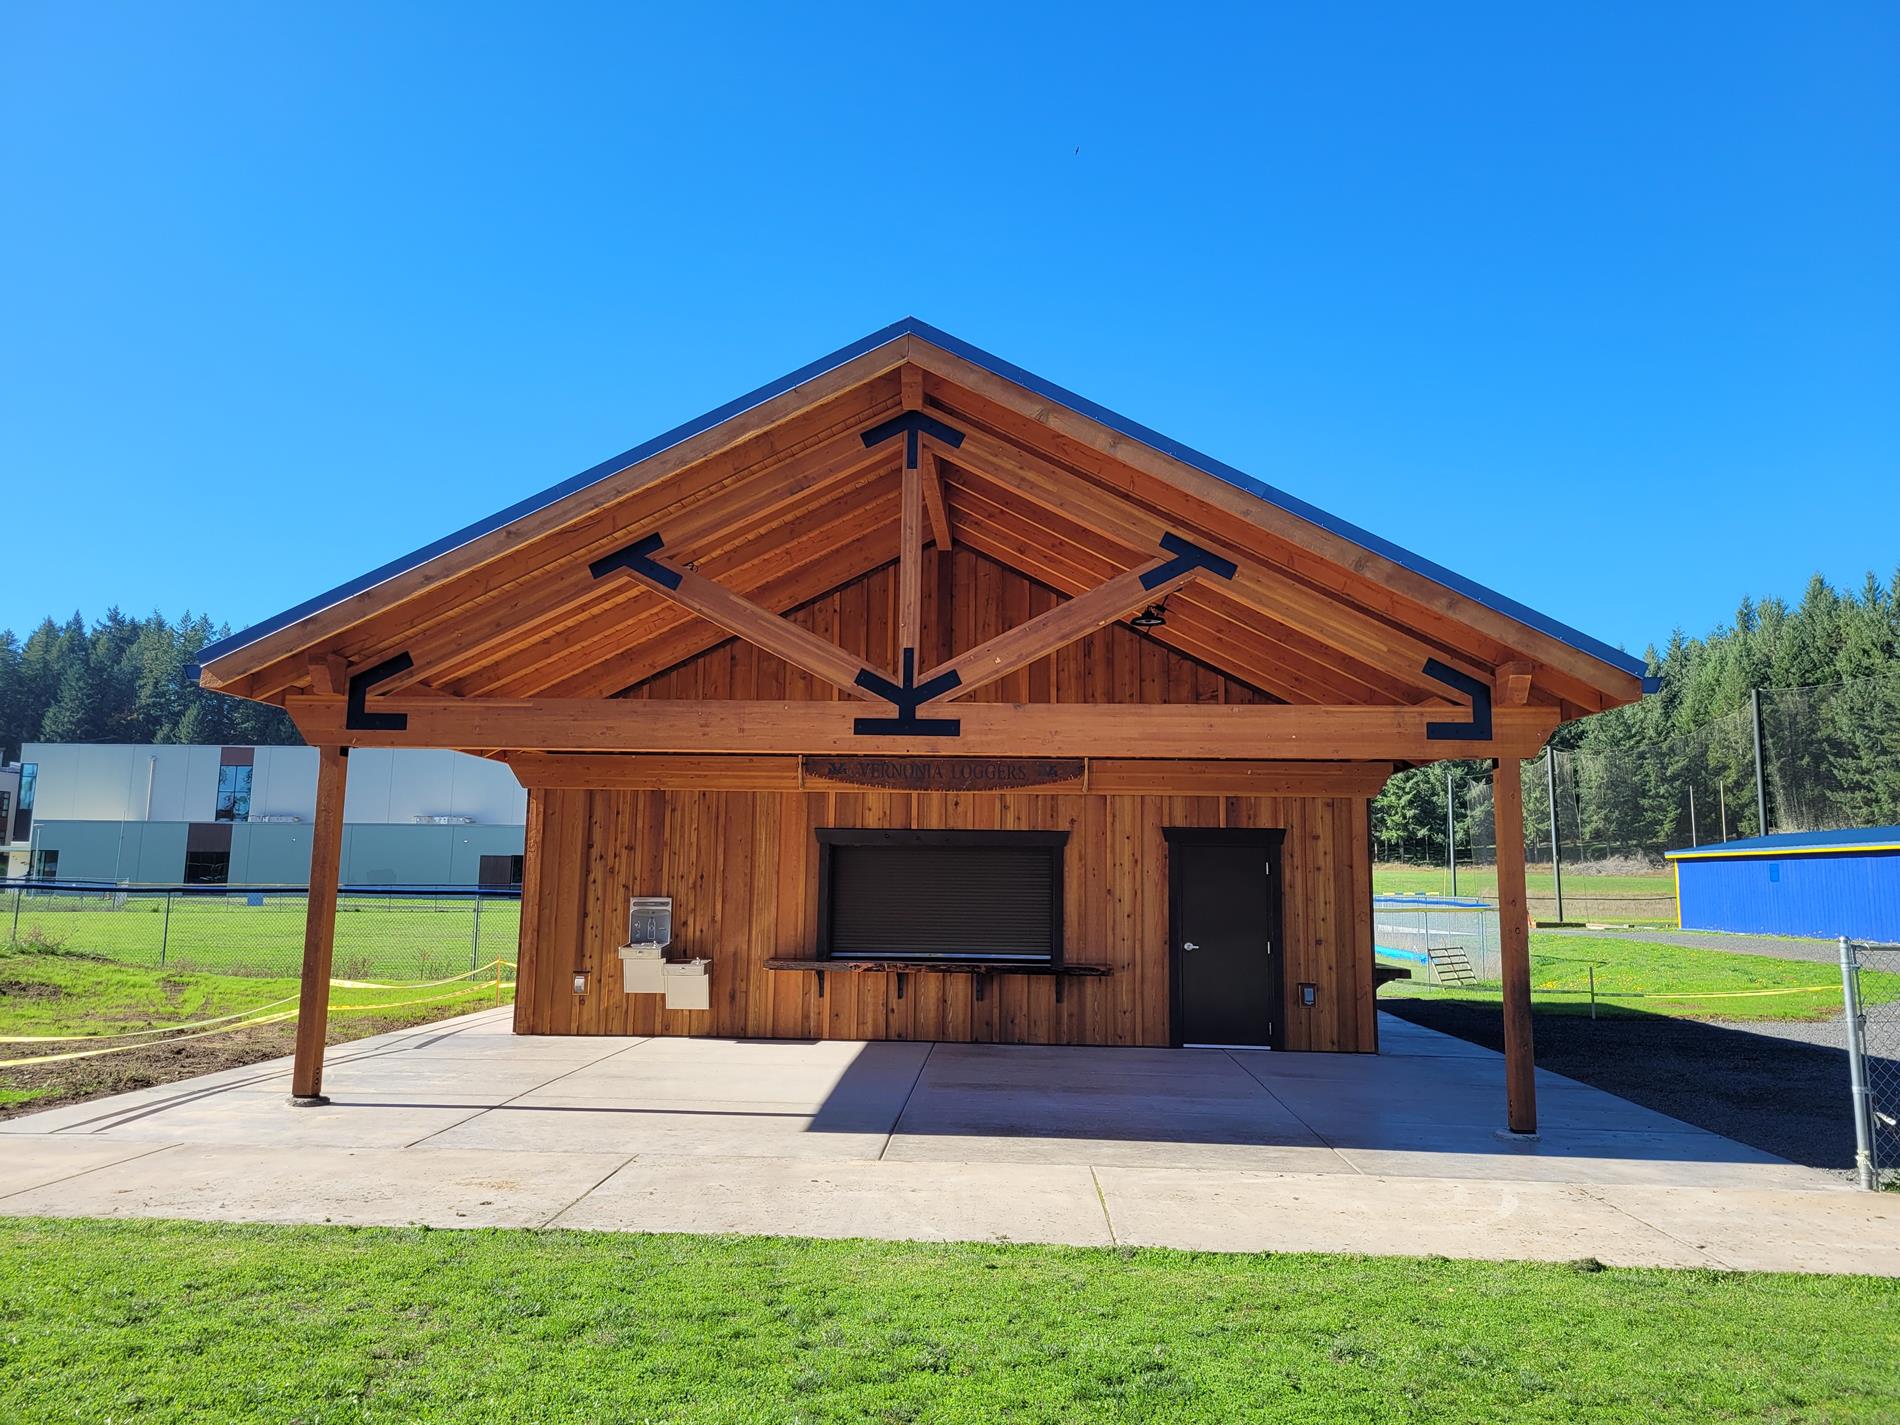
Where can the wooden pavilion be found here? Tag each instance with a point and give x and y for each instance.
(944, 704)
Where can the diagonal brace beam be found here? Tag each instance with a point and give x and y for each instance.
(1125, 594)
(737, 615)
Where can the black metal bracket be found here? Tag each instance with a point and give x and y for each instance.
(910, 425)
(1479, 728)
(821, 984)
(1187, 555)
(907, 697)
(356, 714)
(638, 557)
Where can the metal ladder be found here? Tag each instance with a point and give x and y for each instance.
(1451, 965)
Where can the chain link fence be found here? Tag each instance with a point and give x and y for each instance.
(1440, 940)
(383, 932)
(1873, 1053)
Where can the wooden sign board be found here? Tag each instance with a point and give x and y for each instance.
(945, 774)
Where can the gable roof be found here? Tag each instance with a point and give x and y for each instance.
(791, 490)
(1029, 381)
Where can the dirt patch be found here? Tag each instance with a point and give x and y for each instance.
(77, 1080)
(29, 989)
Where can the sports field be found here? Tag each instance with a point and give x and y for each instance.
(1589, 894)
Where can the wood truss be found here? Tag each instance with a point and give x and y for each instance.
(523, 638)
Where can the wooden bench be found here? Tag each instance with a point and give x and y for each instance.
(982, 969)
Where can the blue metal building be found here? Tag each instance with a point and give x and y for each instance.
(1823, 883)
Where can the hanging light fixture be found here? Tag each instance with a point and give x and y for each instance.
(1154, 616)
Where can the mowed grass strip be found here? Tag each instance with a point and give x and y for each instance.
(170, 1322)
(52, 994)
(1636, 977)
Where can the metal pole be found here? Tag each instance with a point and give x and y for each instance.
(1857, 1068)
(165, 932)
(1556, 855)
(1761, 787)
(1593, 992)
(18, 891)
(1451, 835)
(1692, 836)
(475, 948)
(1721, 804)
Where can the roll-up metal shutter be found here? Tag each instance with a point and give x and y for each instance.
(937, 900)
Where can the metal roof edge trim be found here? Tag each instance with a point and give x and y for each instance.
(1832, 848)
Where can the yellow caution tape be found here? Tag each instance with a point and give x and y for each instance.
(254, 1009)
(246, 1019)
(138, 1033)
(1692, 994)
(227, 1028)
(158, 1043)
(417, 984)
(403, 1003)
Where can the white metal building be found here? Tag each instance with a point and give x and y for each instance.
(240, 815)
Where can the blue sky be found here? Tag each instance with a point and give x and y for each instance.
(1596, 305)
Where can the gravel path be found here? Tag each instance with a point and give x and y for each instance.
(1778, 1087)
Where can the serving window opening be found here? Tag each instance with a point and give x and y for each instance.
(987, 896)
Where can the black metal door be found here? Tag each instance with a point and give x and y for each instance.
(1224, 920)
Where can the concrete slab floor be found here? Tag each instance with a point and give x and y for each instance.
(464, 1123)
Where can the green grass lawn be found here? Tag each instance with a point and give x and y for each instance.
(1634, 977)
(376, 938)
(177, 1322)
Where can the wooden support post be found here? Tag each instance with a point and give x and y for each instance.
(1514, 948)
(319, 930)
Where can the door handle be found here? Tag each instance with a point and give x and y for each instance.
(1189, 945)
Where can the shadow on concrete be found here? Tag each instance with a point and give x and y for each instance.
(1781, 1096)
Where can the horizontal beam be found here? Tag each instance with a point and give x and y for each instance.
(1158, 776)
(1100, 776)
(653, 772)
(1255, 731)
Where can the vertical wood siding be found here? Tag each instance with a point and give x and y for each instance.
(742, 870)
